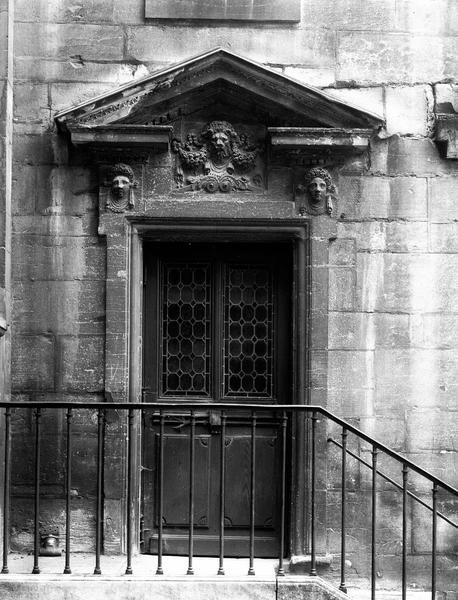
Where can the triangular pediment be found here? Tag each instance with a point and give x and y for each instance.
(217, 85)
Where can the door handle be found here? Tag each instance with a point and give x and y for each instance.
(214, 421)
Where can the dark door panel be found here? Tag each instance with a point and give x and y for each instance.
(217, 329)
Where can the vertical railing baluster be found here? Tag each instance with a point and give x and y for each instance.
(434, 543)
(313, 499)
(252, 492)
(160, 491)
(374, 520)
(129, 504)
(343, 585)
(68, 483)
(99, 508)
(190, 570)
(6, 490)
(222, 493)
(284, 422)
(404, 531)
(36, 546)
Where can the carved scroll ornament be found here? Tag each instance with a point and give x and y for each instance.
(218, 160)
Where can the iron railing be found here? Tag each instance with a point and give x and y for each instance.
(285, 415)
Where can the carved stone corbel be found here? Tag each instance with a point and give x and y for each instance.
(447, 133)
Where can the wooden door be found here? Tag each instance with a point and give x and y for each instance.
(217, 329)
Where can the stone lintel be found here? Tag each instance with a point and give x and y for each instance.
(324, 137)
(447, 132)
(155, 137)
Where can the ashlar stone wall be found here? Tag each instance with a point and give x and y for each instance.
(388, 360)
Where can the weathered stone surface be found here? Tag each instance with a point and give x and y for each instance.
(423, 16)
(97, 42)
(81, 363)
(370, 99)
(367, 331)
(60, 307)
(64, 95)
(316, 77)
(407, 283)
(402, 236)
(33, 362)
(444, 206)
(435, 330)
(389, 57)
(409, 110)
(58, 257)
(410, 156)
(55, 11)
(268, 10)
(31, 102)
(342, 285)
(298, 46)
(353, 14)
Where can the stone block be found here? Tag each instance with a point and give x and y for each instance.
(316, 77)
(65, 95)
(371, 57)
(72, 189)
(432, 430)
(58, 257)
(35, 150)
(47, 224)
(409, 110)
(350, 368)
(363, 197)
(450, 56)
(32, 362)
(435, 330)
(43, 11)
(351, 331)
(352, 14)
(60, 307)
(417, 376)
(411, 156)
(81, 363)
(444, 206)
(444, 237)
(75, 69)
(422, 16)
(408, 198)
(308, 47)
(407, 282)
(368, 99)
(90, 42)
(342, 288)
(24, 189)
(342, 252)
(31, 102)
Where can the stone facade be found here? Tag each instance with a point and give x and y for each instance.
(385, 288)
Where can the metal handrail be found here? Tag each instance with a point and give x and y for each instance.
(393, 482)
(309, 408)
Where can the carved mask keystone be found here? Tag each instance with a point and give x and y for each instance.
(217, 160)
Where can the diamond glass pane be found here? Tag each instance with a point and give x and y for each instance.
(248, 332)
(186, 330)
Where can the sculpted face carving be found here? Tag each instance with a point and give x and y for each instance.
(121, 184)
(320, 191)
(317, 190)
(217, 160)
(221, 145)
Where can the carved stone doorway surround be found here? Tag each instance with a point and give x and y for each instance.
(216, 147)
